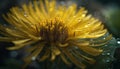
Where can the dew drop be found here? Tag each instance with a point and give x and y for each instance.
(107, 60)
(106, 45)
(118, 42)
(25, 15)
(108, 53)
(104, 38)
(33, 58)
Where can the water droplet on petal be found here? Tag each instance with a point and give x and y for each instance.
(106, 45)
(104, 38)
(33, 58)
(25, 15)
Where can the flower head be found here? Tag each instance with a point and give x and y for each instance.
(54, 30)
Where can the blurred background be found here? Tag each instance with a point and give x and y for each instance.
(108, 11)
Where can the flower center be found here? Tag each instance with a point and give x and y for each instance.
(53, 31)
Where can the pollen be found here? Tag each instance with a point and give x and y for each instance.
(48, 30)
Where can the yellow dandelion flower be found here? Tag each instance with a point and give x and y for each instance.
(54, 30)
